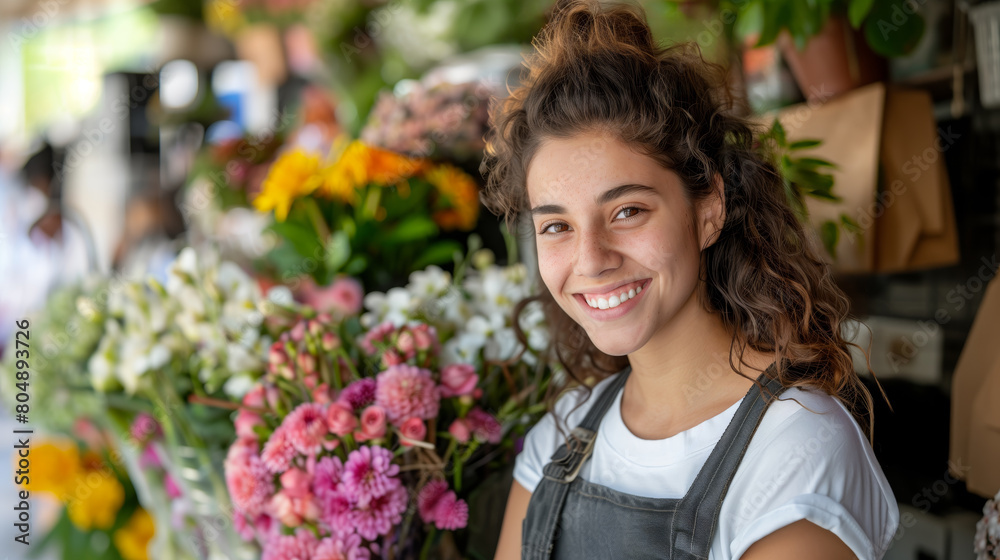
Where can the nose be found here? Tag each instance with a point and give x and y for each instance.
(596, 254)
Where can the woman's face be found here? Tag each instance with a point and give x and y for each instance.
(609, 221)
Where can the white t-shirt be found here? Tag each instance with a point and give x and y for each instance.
(813, 464)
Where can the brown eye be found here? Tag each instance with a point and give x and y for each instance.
(546, 228)
(634, 212)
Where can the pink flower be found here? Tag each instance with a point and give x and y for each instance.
(243, 527)
(458, 380)
(344, 296)
(321, 394)
(330, 341)
(327, 476)
(278, 451)
(306, 363)
(378, 334)
(425, 337)
(450, 513)
(405, 391)
(341, 548)
(392, 358)
(249, 482)
(255, 397)
(144, 428)
(406, 344)
(296, 482)
(340, 419)
(484, 425)
(413, 428)
(358, 394)
(459, 429)
(245, 422)
(170, 485)
(306, 428)
(372, 423)
(299, 546)
(150, 458)
(293, 511)
(378, 516)
(428, 498)
(369, 473)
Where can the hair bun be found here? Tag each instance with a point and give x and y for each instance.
(578, 28)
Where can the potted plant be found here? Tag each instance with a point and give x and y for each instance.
(831, 46)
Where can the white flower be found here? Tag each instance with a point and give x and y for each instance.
(463, 349)
(502, 345)
(183, 271)
(234, 284)
(104, 361)
(396, 306)
(238, 385)
(240, 359)
(429, 284)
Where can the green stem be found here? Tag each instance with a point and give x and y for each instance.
(316, 217)
(426, 549)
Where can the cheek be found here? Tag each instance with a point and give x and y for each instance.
(552, 265)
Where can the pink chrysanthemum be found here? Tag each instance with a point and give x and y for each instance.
(327, 476)
(379, 515)
(405, 391)
(428, 498)
(450, 513)
(369, 473)
(484, 425)
(278, 451)
(306, 428)
(378, 334)
(358, 394)
(341, 548)
(250, 483)
(300, 546)
(335, 512)
(244, 528)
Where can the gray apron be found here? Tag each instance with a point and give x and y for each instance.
(570, 518)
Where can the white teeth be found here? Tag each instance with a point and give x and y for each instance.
(615, 300)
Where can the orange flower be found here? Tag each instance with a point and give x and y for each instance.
(360, 165)
(461, 193)
(132, 539)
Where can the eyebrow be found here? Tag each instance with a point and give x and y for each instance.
(602, 199)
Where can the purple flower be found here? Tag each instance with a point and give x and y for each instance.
(369, 473)
(359, 394)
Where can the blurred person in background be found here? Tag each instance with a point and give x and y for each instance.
(40, 246)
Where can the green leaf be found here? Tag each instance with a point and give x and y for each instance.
(302, 238)
(803, 144)
(356, 265)
(849, 224)
(813, 163)
(438, 253)
(338, 250)
(857, 10)
(778, 132)
(412, 229)
(829, 233)
(891, 30)
(824, 194)
(750, 19)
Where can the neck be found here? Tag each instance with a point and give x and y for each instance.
(683, 374)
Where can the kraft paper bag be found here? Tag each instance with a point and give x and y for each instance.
(909, 223)
(975, 413)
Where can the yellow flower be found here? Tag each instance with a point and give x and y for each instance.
(360, 165)
(223, 16)
(132, 539)
(462, 194)
(54, 466)
(294, 175)
(95, 499)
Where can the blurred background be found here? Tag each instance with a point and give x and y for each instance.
(130, 129)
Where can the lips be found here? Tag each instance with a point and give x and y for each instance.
(609, 313)
(615, 290)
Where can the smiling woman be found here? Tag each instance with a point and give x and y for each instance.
(681, 291)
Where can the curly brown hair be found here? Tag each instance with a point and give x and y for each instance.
(597, 68)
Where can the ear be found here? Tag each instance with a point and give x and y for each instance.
(712, 214)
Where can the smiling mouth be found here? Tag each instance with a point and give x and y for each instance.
(613, 299)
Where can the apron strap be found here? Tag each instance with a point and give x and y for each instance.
(546, 505)
(698, 513)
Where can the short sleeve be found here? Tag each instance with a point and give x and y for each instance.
(813, 465)
(538, 447)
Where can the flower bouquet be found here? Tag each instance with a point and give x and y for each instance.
(987, 545)
(173, 352)
(367, 212)
(372, 441)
